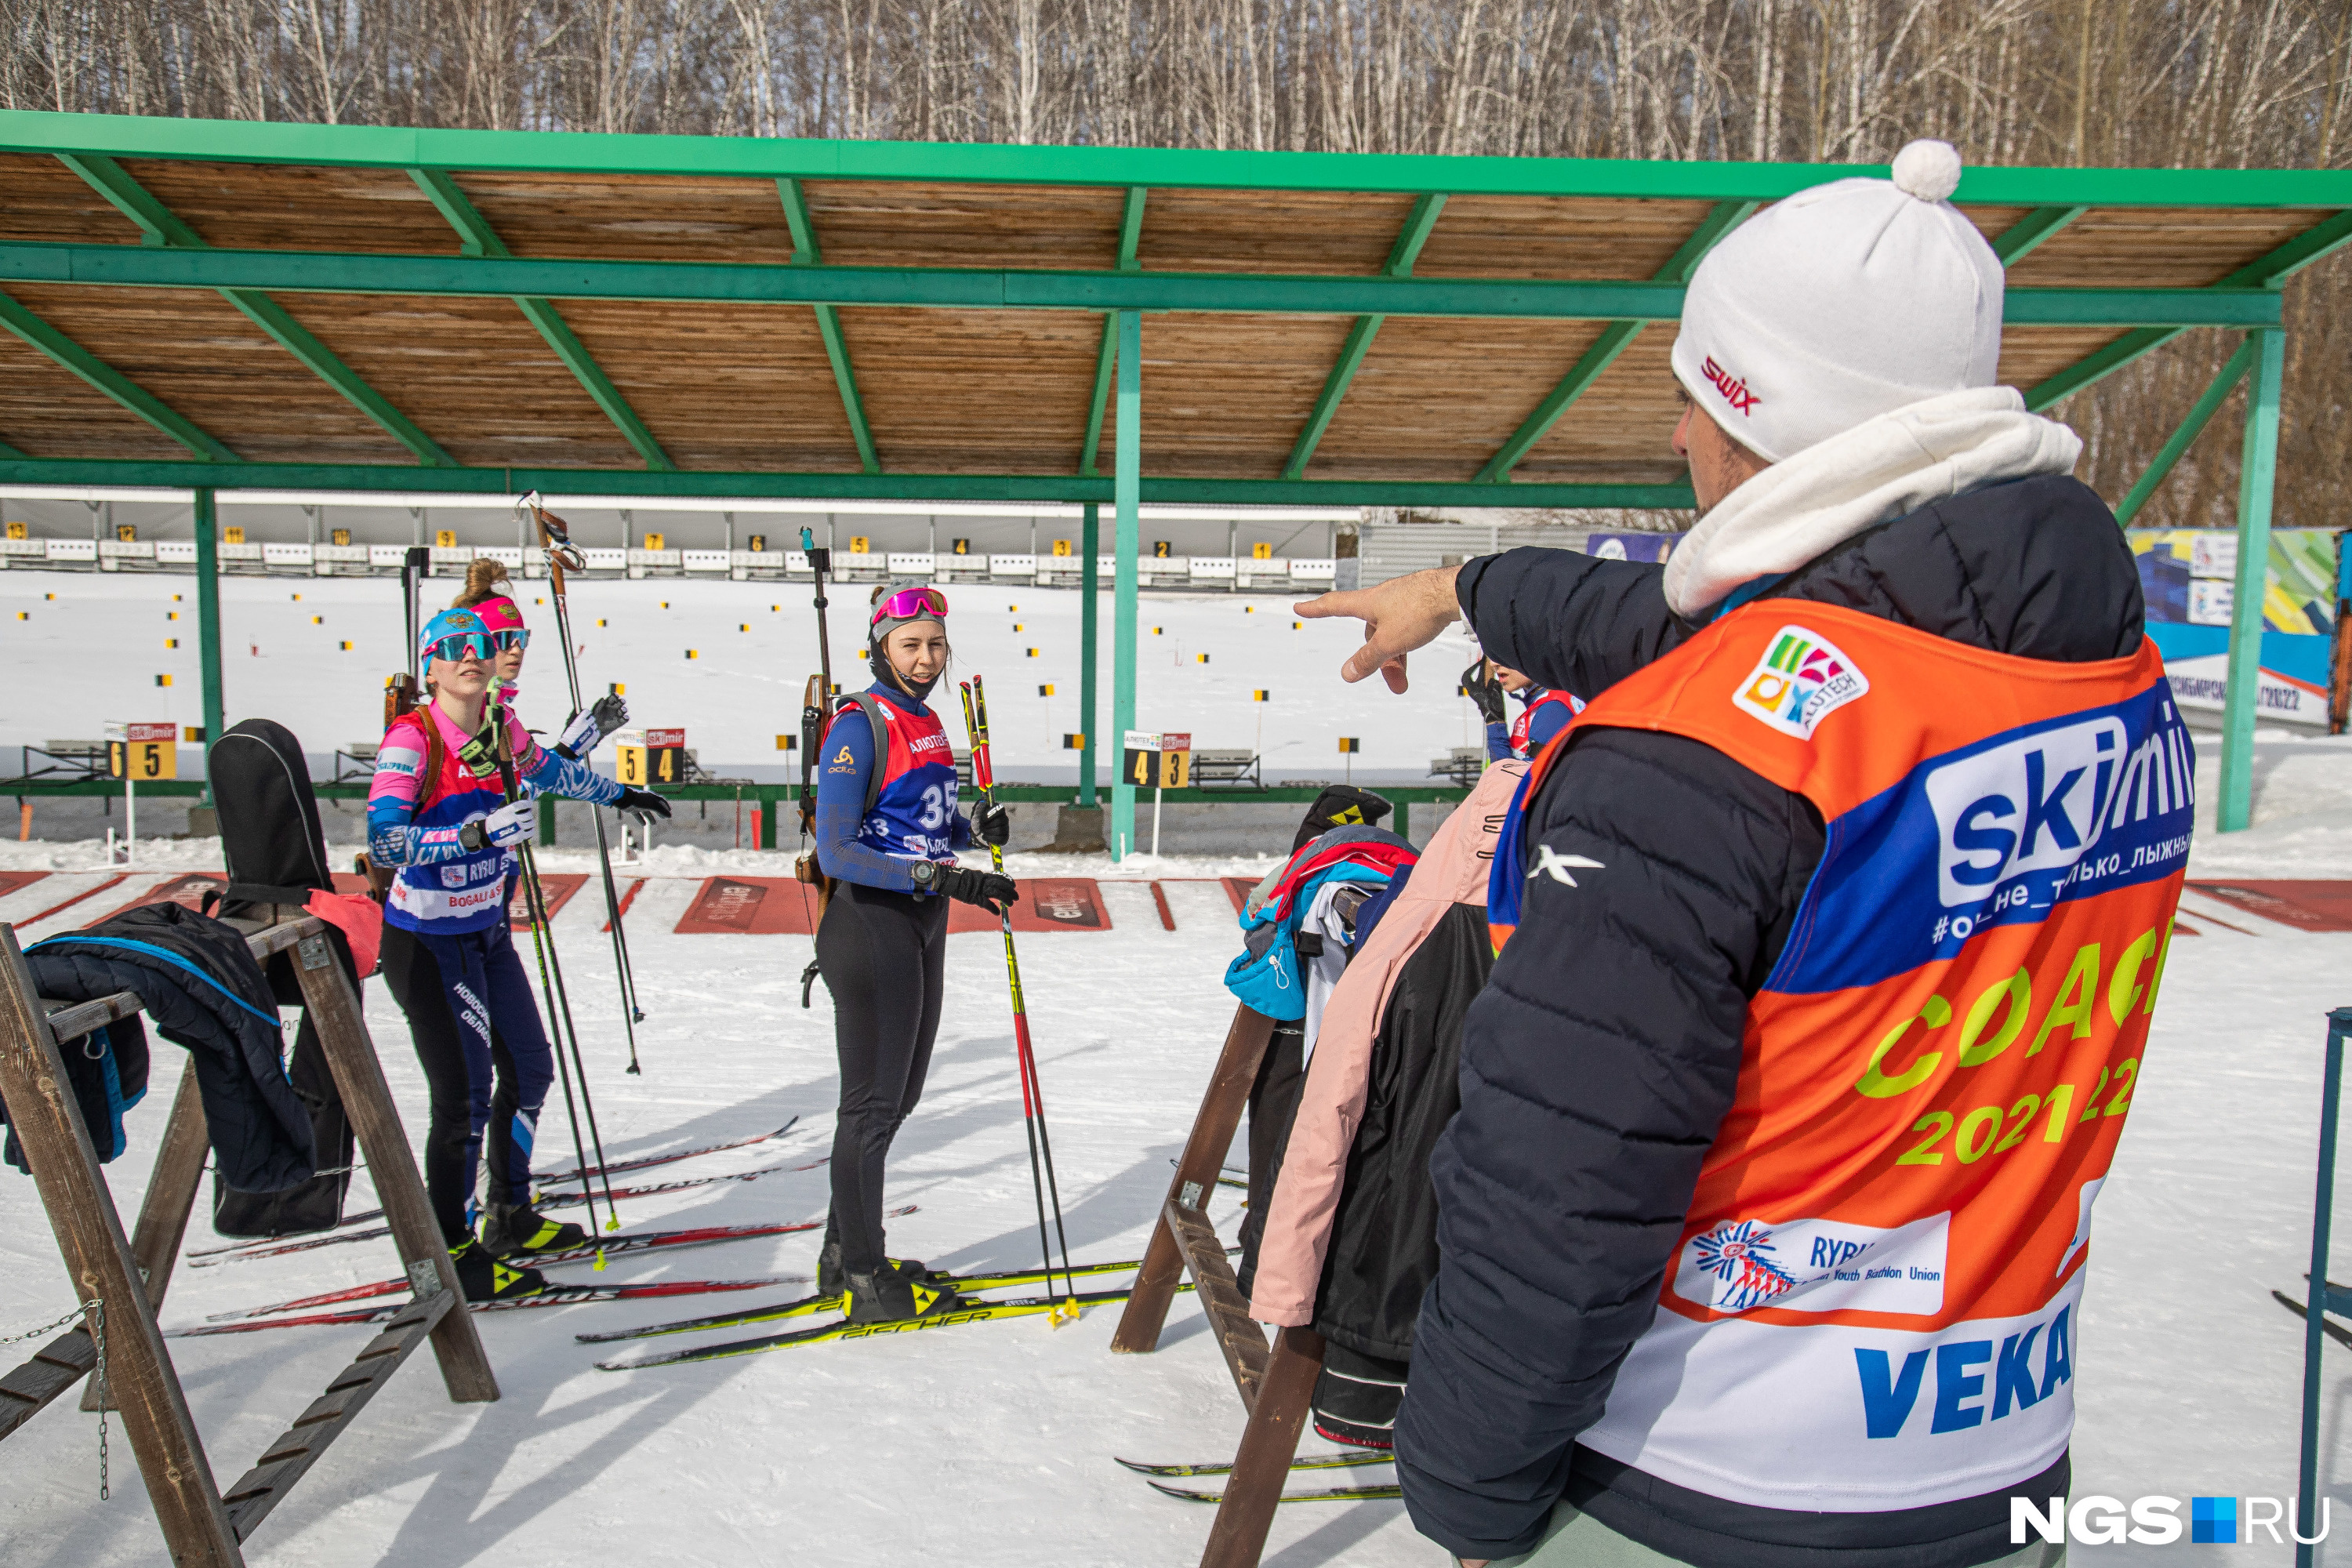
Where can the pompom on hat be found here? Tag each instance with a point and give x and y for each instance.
(1841, 303)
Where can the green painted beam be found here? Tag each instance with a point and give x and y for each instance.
(158, 225)
(707, 157)
(1130, 239)
(1130, 227)
(1126, 461)
(1105, 357)
(209, 619)
(1089, 660)
(2234, 808)
(806, 253)
(37, 332)
(401, 479)
(2268, 273)
(1612, 340)
(1357, 343)
(1401, 255)
(12, 453)
(481, 246)
(2021, 238)
(286, 272)
(2186, 434)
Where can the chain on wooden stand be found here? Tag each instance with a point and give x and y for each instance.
(96, 1307)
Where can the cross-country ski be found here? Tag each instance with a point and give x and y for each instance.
(641, 1163)
(1353, 1459)
(808, 1306)
(609, 1248)
(552, 1296)
(560, 1200)
(972, 1312)
(1327, 1494)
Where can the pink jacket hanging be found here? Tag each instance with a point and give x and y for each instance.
(1452, 870)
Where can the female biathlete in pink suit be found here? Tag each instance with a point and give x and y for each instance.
(437, 811)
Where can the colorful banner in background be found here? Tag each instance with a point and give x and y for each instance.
(2189, 577)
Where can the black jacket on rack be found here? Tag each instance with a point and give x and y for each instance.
(202, 989)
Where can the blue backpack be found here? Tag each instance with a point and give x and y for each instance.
(1266, 976)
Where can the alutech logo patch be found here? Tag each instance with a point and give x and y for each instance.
(1801, 680)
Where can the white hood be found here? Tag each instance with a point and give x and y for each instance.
(1876, 472)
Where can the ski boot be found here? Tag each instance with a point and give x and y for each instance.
(831, 1278)
(886, 1296)
(509, 1229)
(485, 1278)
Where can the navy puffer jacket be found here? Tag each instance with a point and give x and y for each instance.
(1599, 1061)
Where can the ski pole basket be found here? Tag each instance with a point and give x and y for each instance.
(121, 1280)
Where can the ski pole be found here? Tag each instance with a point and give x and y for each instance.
(555, 538)
(551, 978)
(1033, 1100)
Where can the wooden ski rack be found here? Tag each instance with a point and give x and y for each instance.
(1276, 1385)
(203, 1524)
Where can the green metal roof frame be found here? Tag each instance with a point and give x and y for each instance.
(174, 257)
(389, 147)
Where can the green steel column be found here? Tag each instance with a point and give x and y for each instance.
(2234, 809)
(208, 627)
(1089, 630)
(1126, 490)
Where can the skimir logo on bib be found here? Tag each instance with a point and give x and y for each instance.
(2156, 1522)
(1801, 680)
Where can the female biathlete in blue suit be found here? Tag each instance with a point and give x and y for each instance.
(437, 811)
(886, 832)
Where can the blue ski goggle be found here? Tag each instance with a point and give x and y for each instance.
(460, 645)
(515, 638)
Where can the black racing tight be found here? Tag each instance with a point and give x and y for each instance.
(882, 955)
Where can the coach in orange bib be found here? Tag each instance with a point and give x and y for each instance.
(1832, 928)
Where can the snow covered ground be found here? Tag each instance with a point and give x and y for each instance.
(993, 1444)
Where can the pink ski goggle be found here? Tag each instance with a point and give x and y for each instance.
(912, 604)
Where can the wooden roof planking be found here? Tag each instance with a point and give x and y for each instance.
(233, 304)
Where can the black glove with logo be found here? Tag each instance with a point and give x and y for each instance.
(591, 725)
(1486, 690)
(991, 892)
(992, 824)
(642, 806)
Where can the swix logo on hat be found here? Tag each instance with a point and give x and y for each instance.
(1801, 680)
(1734, 388)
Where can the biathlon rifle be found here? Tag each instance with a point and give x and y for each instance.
(817, 715)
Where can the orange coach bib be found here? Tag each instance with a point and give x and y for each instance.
(1874, 1300)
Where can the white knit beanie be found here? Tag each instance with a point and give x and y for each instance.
(1841, 303)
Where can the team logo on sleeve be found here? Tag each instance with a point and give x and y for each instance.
(1801, 680)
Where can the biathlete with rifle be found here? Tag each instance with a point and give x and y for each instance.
(439, 815)
(887, 833)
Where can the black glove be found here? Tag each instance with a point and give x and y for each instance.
(991, 892)
(1486, 690)
(642, 806)
(992, 824)
(589, 727)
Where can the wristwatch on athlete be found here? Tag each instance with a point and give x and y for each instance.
(926, 875)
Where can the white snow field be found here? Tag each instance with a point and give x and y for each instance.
(99, 641)
(992, 1443)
